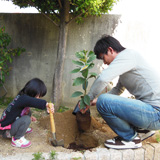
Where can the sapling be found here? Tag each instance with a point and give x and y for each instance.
(83, 66)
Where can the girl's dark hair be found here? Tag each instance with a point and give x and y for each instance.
(104, 43)
(34, 87)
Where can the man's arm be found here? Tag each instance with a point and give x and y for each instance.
(118, 89)
(123, 63)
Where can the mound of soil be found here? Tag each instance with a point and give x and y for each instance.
(66, 129)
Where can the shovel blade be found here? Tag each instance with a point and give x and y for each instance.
(55, 143)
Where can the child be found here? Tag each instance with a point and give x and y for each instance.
(16, 118)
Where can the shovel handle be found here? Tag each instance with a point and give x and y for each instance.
(51, 119)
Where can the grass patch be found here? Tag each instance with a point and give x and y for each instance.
(5, 101)
(62, 109)
(158, 137)
(37, 113)
(38, 156)
(53, 155)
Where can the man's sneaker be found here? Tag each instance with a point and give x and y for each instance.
(119, 143)
(21, 143)
(144, 134)
(29, 130)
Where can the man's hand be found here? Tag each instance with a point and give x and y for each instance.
(84, 110)
(93, 102)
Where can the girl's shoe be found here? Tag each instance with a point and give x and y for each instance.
(21, 143)
(29, 130)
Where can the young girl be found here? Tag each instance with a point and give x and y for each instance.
(16, 118)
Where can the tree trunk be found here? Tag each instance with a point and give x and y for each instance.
(61, 52)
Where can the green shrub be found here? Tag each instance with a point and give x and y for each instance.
(6, 54)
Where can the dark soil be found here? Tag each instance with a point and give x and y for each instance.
(76, 147)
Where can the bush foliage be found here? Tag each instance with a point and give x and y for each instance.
(6, 54)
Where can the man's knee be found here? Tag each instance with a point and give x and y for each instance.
(102, 98)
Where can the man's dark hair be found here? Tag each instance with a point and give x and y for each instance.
(104, 43)
(34, 87)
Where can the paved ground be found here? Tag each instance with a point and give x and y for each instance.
(147, 152)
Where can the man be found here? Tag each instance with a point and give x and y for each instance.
(125, 116)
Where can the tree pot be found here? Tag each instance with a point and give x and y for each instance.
(83, 121)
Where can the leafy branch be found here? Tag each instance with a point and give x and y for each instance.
(6, 55)
(84, 64)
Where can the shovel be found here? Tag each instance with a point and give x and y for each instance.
(54, 141)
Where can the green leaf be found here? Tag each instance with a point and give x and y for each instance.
(76, 94)
(90, 53)
(80, 55)
(92, 74)
(87, 100)
(10, 59)
(78, 81)
(76, 70)
(85, 73)
(83, 60)
(84, 67)
(85, 52)
(82, 104)
(91, 58)
(77, 9)
(78, 63)
(91, 66)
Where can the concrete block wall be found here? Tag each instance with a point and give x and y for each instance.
(39, 36)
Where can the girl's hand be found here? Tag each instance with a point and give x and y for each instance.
(33, 118)
(50, 107)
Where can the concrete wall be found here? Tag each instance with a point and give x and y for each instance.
(39, 37)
